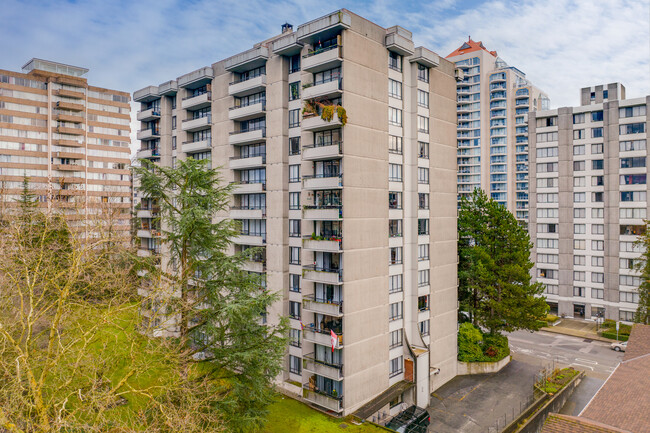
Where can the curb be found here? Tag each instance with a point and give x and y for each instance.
(589, 337)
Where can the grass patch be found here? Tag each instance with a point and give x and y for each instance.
(289, 415)
(558, 380)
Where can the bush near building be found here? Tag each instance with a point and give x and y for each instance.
(477, 346)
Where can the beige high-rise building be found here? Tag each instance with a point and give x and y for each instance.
(70, 139)
(357, 220)
(589, 201)
(493, 100)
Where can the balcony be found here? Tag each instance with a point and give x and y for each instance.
(69, 167)
(69, 118)
(245, 112)
(322, 399)
(323, 213)
(322, 337)
(328, 150)
(324, 27)
(322, 306)
(312, 365)
(328, 89)
(69, 131)
(69, 143)
(330, 244)
(322, 59)
(69, 94)
(143, 233)
(425, 57)
(248, 212)
(197, 124)
(247, 137)
(69, 155)
(144, 213)
(316, 123)
(245, 187)
(69, 106)
(147, 153)
(148, 134)
(322, 181)
(247, 86)
(196, 79)
(255, 266)
(149, 114)
(168, 88)
(248, 239)
(287, 45)
(238, 162)
(197, 146)
(147, 94)
(399, 41)
(196, 102)
(325, 275)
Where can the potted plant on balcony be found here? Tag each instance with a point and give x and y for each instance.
(312, 108)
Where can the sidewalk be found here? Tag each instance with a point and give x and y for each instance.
(577, 328)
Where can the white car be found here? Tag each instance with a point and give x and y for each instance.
(619, 346)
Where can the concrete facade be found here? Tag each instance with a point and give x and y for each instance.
(70, 139)
(493, 100)
(588, 203)
(357, 221)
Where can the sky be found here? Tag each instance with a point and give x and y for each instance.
(561, 45)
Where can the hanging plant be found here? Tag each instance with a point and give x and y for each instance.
(312, 108)
(342, 115)
(327, 114)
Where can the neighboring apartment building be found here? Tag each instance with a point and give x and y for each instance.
(493, 100)
(357, 221)
(70, 139)
(589, 201)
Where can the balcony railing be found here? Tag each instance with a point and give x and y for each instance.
(318, 268)
(241, 80)
(263, 155)
(198, 94)
(248, 104)
(319, 51)
(244, 131)
(334, 304)
(322, 175)
(323, 206)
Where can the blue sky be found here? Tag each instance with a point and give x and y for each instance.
(562, 45)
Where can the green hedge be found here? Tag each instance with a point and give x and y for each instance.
(476, 346)
(610, 326)
(612, 335)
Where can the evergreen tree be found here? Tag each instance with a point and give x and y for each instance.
(28, 201)
(642, 314)
(494, 268)
(220, 306)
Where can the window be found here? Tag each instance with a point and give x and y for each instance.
(579, 181)
(423, 252)
(597, 149)
(632, 230)
(544, 122)
(423, 303)
(597, 180)
(547, 152)
(547, 182)
(628, 247)
(294, 63)
(597, 293)
(394, 116)
(578, 166)
(579, 229)
(395, 61)
(578, 118)
(627, 263)
(395, 228)
(294, 145)
(597, 197)
(546, 228)
(579, 260)
(423, 175)
(295, 364)
(423, 200)
(294, 337)
(579, 149)
(548, 258)
(294, 310)
(396, 366)
(174, 143)
(579, 213)
(579, 197)
(597, 164)
(631, 145)
(629, 297)
(631, 128)
(396, 339)
(294, 255)
(294, 118)
(596, 116)
(629, 280)
(294, 228)
(547, 213)
(424, 327)
(626, 316)
(597, 277)
(547, 273)
(547, 167)
(423, 124)
(596, 132)
(638, 213)
(173, 100)
(547, 243)
(294, 173)
(638, 161)
(423, 278)
(579, 244)
(423, 149)
(636, 111)
(423, 98)
(632, 179)
(394, 144)
(598, 245)
(547, 198)
(294, 91)
(395, 283)
(578, 134)
(423, 226)
(395, 256)
(544, 137)
(396, 311)
(394, 200)
(598, 262)
(597, 229)
(579, 291)
(633, 195)
(294, 201)
(552, 289)
(395, 172)
(173, 122)
(423, 73)
(394, 89)
(294, 283)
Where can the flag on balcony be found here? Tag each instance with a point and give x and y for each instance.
(333, 339)
(302, 327)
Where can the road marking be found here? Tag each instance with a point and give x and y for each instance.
(461, 399)
(582, 365)
(588, 361)
(585, 349)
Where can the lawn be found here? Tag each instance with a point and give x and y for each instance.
(289, 415)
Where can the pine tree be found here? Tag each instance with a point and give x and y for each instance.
(221, 306)
(28, 201)
(494, 268)
(642, 314)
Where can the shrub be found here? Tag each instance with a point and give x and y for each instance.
(612, 335)
(475, 346)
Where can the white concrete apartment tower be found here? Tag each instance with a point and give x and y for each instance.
(356, 219)
(589, 202)
(493, 100)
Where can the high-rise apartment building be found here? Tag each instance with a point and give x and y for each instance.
(355, 213)
(70, 139)
(589, 201)
(493, 100)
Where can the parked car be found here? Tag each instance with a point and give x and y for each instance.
(412, 420)
(619, 346)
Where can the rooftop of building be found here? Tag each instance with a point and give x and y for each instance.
(55, 67)
(470, 46)
(557, 423)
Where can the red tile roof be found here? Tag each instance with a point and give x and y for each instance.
(469, 47)
(557, 423)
